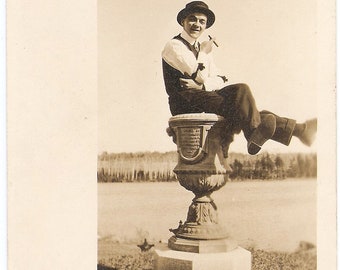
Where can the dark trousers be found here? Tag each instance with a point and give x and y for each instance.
(236, 104)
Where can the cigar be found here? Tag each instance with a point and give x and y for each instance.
(213, 41)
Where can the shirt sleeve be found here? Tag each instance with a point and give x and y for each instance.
(210, 76)
(177, 55)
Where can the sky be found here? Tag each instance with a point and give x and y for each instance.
(269, 45)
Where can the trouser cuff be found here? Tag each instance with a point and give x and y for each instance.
(284, 131)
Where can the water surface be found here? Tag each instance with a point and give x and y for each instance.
(270, 215)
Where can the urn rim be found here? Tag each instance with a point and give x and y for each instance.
(210, 117)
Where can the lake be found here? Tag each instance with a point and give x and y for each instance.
(269, 215)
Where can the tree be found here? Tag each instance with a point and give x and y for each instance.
(293, 169)
(237, 169)
(301, 165)
(279, 163)
(267, 167)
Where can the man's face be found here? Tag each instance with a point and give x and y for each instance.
(195, 24)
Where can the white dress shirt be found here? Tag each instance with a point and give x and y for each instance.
(178, 56)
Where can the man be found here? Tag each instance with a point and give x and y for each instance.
(195, 85)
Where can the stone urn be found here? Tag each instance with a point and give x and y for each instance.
(202, 144)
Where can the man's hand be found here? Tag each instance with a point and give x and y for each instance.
(190, 84)
(206, 46)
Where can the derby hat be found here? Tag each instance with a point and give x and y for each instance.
(196, 6)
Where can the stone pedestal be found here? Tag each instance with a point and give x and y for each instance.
(201, 246)
(167, 259)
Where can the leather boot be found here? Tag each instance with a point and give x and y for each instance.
(262, 133)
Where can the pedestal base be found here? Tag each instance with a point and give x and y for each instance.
(201, 246)
(167, 259)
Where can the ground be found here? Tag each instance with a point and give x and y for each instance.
(118, 256)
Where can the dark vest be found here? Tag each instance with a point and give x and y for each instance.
(177, 103)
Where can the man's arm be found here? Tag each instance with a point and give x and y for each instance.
(191, 84)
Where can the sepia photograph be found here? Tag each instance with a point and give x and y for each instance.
(170, 135)
(207, 134)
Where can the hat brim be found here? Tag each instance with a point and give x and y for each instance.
(185, 12)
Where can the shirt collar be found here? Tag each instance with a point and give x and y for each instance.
(187, 37)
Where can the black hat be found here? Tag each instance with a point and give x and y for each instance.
(196, 6)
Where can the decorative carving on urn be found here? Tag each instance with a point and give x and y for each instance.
(202, 213)
(201, 183)
(191, 141)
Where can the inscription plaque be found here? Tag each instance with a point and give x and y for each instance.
(190, 140)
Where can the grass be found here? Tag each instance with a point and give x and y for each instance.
(304, 260)
(117, 256)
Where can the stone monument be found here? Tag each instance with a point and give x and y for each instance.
(201, 242)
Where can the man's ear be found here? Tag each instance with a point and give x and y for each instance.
(182, 22)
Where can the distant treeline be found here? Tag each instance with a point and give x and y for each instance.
(156, 166)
